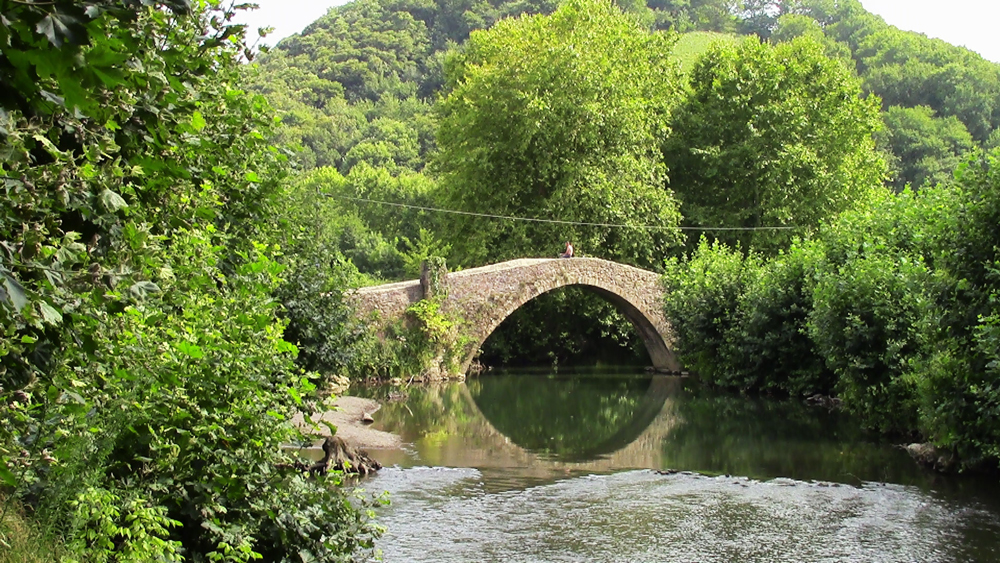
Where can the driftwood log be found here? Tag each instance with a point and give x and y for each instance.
(338, 455)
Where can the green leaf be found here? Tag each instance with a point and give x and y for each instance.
(141, 289)
(49, 27)
(87, 171)
(197, 121)
(13, 293)
(112, 201)
(330, 426)
(109, 77)
(192, 350)
(295, 395)
(68, 397)
(49, 147)
(50, 314)
(7, 476)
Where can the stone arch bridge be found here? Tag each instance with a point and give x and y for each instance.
(479, 299)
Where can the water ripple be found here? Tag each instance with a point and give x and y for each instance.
(440, 514)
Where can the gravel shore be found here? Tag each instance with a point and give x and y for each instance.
(347, 416)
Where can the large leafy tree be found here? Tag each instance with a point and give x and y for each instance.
(559, 117)
(145, 385)
(772, 136)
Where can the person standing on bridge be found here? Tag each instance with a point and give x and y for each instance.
(568, 253)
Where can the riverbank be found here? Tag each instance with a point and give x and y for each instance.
(348, 417)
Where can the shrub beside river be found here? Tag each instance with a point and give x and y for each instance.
(894, 307)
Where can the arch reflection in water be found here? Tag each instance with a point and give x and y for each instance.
(540, 429)
(571, 417)
(523, 428)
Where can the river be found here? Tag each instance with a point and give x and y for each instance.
(607, 466)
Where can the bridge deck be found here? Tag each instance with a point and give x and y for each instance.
(489, 269)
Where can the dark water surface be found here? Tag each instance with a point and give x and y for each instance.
(602, 466)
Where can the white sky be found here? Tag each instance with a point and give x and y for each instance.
(970, 23)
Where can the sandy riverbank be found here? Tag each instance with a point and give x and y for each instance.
(347, 418)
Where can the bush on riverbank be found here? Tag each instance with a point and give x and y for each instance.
(146, 387)
(893, 306)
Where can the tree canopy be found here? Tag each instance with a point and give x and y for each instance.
(559, 117)
(772, 136)
(924, 149)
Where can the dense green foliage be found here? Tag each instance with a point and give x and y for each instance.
(170, 297)
(146, 387)
(366, 74)
(358, 86)
(924, 149)
(747, 149)
(356, 92)
(702, 299)
(741, 322)
(907, 70)
(558, 116)
(898, 300)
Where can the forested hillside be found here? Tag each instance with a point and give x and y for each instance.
(358, 93)
(356, 88)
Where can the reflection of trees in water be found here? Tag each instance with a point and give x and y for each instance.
(445, 428)
(765, 439)
(490, 421)
(567, 417)
(442, 409)
(693, 430)
(570, 418)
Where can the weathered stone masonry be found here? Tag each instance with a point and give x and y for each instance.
(483, 297)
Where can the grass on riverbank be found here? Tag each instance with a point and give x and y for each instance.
(21, 541)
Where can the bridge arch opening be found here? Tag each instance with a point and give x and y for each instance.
(637, 294)
(572, 325)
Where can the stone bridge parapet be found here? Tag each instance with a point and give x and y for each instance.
(481, 298)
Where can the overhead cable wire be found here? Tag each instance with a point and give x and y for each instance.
(555, 221)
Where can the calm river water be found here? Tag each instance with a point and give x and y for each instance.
(607, 467)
